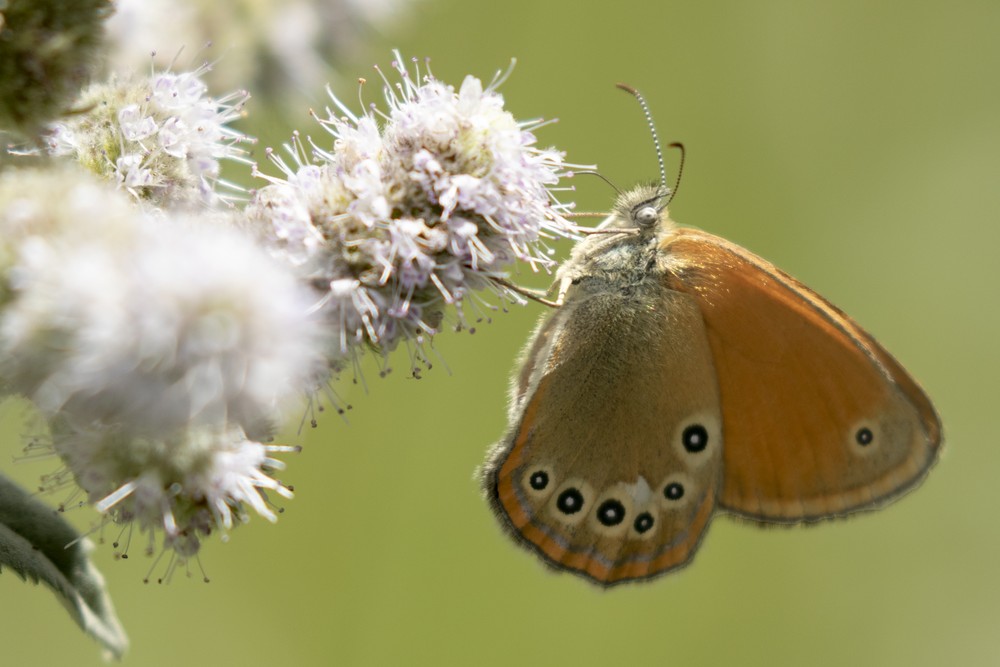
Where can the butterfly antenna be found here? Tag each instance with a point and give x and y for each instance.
(680, 170)
(652, 128)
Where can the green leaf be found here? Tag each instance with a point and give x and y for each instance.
(40, 545)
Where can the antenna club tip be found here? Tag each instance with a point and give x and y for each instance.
(627, 88)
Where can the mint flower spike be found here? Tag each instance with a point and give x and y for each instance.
(413, 207)
(187, 487)
(160, 348)
(155, 327)
(160, 138)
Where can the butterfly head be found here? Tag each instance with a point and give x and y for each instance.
(643, 208)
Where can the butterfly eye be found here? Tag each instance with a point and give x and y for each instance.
(647, 216)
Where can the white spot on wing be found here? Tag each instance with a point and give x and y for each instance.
(640, 491)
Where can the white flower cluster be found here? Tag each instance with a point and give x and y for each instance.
(412, 208)
(158, 347)
(190, 485)
(160, 138)
(160, 340)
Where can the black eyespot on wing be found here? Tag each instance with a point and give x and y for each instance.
(643, 522)
(673, 491)
(695, 438)
(611, 512)
(538, 480)
(570, 501)
(864, 436)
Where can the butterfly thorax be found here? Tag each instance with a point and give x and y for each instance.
(626, 262)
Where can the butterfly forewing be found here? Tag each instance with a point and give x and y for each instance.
(614, 460)
(819, 419)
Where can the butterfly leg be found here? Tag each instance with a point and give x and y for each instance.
(534, 295)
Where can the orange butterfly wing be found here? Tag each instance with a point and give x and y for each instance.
(818, 419)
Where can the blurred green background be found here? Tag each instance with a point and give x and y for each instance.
(856, 145)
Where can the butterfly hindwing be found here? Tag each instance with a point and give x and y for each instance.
(614, 459)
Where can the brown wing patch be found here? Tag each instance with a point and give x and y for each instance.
(623, 405)
(819, 419)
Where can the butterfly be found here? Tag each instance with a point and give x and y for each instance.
(682, 376)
